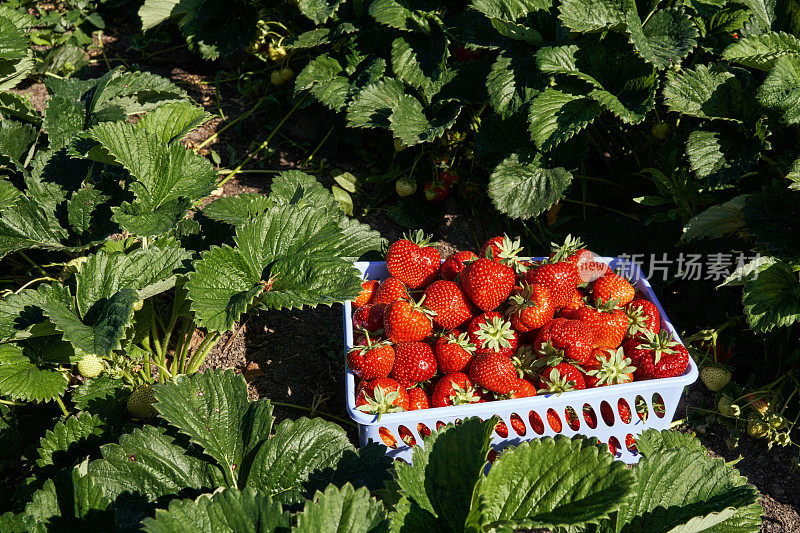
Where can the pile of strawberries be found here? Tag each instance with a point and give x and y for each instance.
(495, 326)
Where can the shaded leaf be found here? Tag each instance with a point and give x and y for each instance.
(726, 218)
(521, 188)
(781, 89)
(556, 116)
(761, 51)
(665, 39)
(720, 156)
(70, 439)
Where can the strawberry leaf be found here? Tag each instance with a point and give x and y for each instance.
(318, 10)
(228, 510)
(323, 78)
(548, 482)
(780, 91)
(417, 61)
(590, 15)
(397, 14)
(372, 106)
(104, 397)
(761, 51)
(522, 188)
(556, 116)
(16, 59)
(347, 509)
(512, 82)
(652, 442)
(665, 39)
(772, 298)
(726, 218)
(21, 379)
(21, 315)
(411, 126)
(238, 210)
(719, 155)
(707, 92)
(71, 439)
(688, 490)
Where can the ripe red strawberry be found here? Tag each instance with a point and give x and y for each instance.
(577, 301)
(609, 321)
(382, 395)
(368, 288)
(464, 54)
(560, 378)
(531, 307)
(501, 249)
(454, 264)
(560, 278)
(608, 367)
(491, 334)
(389, 290)
(369, 317)
(613, 287)
(522, 388)
(413, 362)
(454, 389)
(572, 251)
(570, 339)
(436, 192)
(494, 372)
(449, 303)
(417, 399)
(656, 355)
(373, 360)
(487, 283)
(412, 261)
(450, 178)
(454, 351)
(642, 315)
(406, 322)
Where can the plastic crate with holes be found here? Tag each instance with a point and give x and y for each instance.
(614, 414)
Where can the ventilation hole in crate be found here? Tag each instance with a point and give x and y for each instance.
(518, 425)
(458, 422)
(406, 436)
(423, 430)
(501, 429)
(630, 443)
(590, 416)
(536, 422)
(440, 425)
(607, 413)
(491, 456)
(614, 447)
(572, 418)
(658, 405)
(553, 420)
(387, 437)
(641, 409)
(624, 411)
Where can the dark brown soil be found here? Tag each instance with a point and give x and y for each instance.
(296, 357)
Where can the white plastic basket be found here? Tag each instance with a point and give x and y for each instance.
(669, 390)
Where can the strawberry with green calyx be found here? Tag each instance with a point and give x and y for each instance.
(450, 306)
(613, 287)
(412, 261)
(417, 399)
(369, 317)
(573, 339)
(490, 333)
(414, 362)
(642, 316)
(368, 288)
(527, 362)
(487, 283)
(502, 249)
(494, 372)
(405, 186)
(454, 351)
(530, 307)
(714, 377)
(563, 377)
(726, 407)
(571, 250)
(389, 290)
(656, 356)
(90, 366)
(436, 192)
(561, 278)
(382, 395)
(454, 389)
(609, 321)
(407, 321)
(371, 360)
(757, 429)
(453, 265)
(612, 368)
(140, 402)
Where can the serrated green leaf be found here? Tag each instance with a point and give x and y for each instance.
(521, 188)
(556, 116)
(652, 441)
(322, 77)
(154, 12)
(747, 270)
(82, 208)
(22, 380)
(418, 61)
(720, 156)
(726, 218)
(174, 121)
(243, 511)
(70, 439)
(763, 11)
(591, 15)
(781, 89)
(239, 209)
(705, 92)
(8, 194)
(103, 397)
(18, 106)
(337, 510)
(509, 10)
(411, 126)
(120, 94)
(554, 482)
(16, 60)
(399, 14)
(151, 464)
(101, 328)
(761, 51)
(308, 39)
(146, 220)
(772, 298)
(665, 39)
(512, 83)
(678, 488)
(64, 117)
(318, 10)
(15, 141)
(26, 225)
(21, 315)
(372, 105)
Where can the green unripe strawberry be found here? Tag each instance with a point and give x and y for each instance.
(715, 377)
(757, 429)
(727, 408)
(661, 131)
(276, 53)
(90, 366)
(140, 403)
(405, 186)
(286, 74)
(399, 146)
